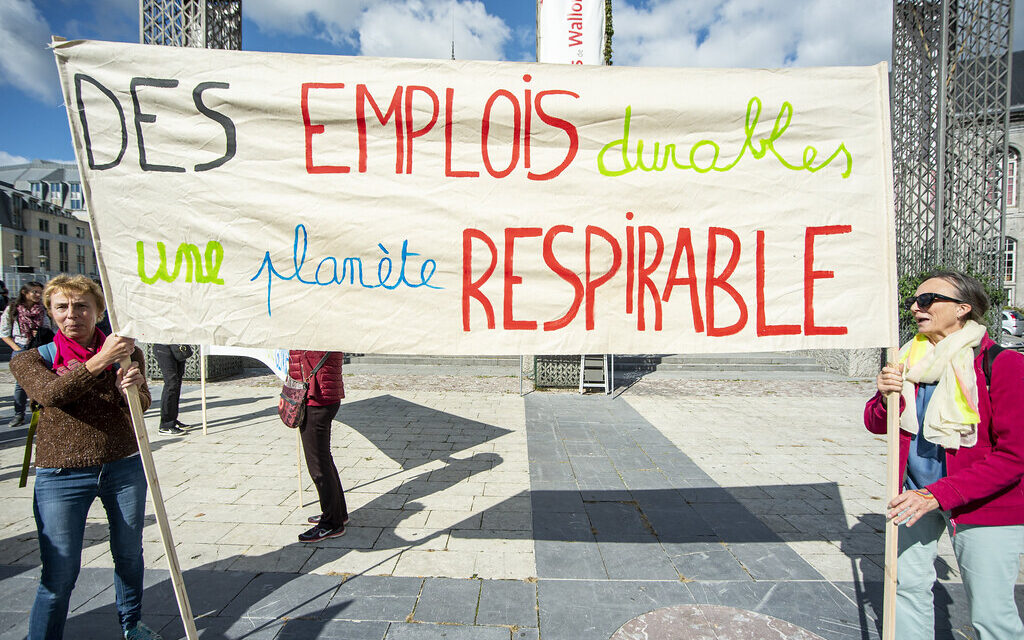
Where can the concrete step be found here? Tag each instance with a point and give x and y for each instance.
(419, 360)
(726, 363)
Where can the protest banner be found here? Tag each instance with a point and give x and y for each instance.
(453, 207)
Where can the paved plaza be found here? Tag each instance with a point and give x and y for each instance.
(477, 513)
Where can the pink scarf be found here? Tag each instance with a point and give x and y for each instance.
(30, 319)
(71, 355)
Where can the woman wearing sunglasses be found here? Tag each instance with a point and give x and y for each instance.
(961, 458)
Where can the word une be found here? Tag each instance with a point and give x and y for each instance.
(408, 128)
(326, 272)
(190, 256)
(644, 254)
(664, 155)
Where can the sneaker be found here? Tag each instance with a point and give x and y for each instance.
(17, 420)
(316, 519)
(142, 632)
(182, 425)
(316, 534)
(172, 430)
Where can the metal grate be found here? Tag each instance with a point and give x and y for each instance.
(213, 24)
(950, 113)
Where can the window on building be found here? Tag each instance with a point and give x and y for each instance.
(65, 263)
(44, 225)
(16, 221)
(1010, 302)
(19, 246)
(1012, 162)
(62, 228)
(56, 193)
(37, 190)
(76, 201)
(80, 255)
(79, 232)
(44, 252)
(1010, 261)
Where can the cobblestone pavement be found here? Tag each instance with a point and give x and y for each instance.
(480, 513)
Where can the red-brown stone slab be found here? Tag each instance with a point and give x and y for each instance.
(709, 622)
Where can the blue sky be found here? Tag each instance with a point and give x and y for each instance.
(707, 33)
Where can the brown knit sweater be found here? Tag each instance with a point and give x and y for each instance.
(84, 420)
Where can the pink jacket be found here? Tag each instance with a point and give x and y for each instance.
(326, 387)
(983, 482)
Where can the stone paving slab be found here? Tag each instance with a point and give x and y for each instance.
(478, 514)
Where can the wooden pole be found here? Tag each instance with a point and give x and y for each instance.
(135, 408)
(202, 383)
(298, 456)
(892, 408)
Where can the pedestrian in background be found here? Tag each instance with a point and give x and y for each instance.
(85, 448)
(326, 390)
(961, 458)
(24, 325)
(171, 358)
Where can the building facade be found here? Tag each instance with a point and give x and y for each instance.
(1013, 245)
(40, 238)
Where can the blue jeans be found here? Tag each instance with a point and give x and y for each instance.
(61, 503)
(20, 399)
(988, 557)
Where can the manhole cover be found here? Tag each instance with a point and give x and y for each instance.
(709, 622)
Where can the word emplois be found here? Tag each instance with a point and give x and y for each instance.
(326, 272)
(698, 158)
(189, 254)
(408, 127)
(645, 250)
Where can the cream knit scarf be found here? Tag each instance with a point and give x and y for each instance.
(952, 417)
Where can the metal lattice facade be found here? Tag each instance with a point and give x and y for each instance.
(950, 113)
(212, 24)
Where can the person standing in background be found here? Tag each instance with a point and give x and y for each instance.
(326, 389)
(21, 327)
(171, 358)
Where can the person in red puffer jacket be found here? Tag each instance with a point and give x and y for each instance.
(326, 389)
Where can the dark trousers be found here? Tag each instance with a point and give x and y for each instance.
(316, 445)
(172, 370)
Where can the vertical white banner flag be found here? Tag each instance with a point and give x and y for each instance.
(570, 31)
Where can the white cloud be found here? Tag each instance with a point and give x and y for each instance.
(401, 28)
(752, 33)
(7, 158)
(424, 29)
(334, 21)
(25, 61)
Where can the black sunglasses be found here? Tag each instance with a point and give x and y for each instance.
(925, 300)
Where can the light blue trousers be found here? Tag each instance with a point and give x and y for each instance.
(989, 560)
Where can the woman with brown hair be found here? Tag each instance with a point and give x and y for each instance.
(22, 327)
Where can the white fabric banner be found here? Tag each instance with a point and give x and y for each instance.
(275, 359)
(453, 207)
(570, 31)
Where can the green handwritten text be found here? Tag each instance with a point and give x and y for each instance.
(705, 155)
(189, 254)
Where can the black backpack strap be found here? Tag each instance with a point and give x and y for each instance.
(986, 364)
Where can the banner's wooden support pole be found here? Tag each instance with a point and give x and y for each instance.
(298, 456)
(202, 383)
(892, 408)
(135, 408)
(28, 450)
